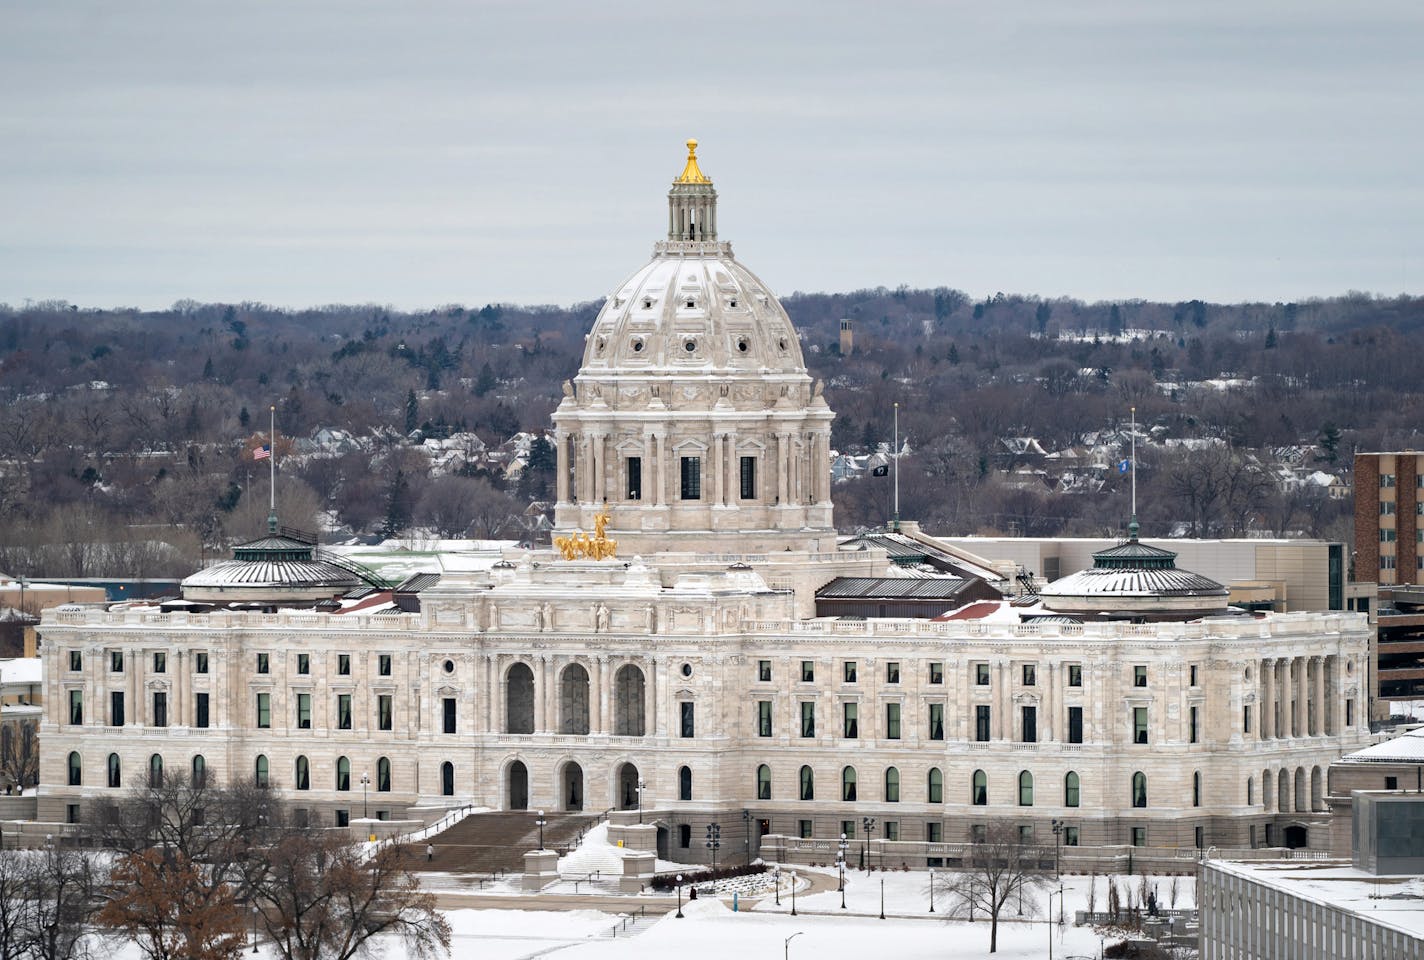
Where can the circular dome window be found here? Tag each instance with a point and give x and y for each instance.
(690, 346)
(782, 344)
(687, 669)
(637, 344)
(449, 666)
(742, 344)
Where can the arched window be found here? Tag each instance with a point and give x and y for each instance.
(1196, 788)
(76, 770)
(892, 785)
(343, 773)
(1025, 789)
(935, 793)
(1139, 789)
(115, 773)
(447, 779)
(848, 784)
(684, 783)
(155, 770)
(1070, 789)
(200, 770)
(303, 774)
(979, 796)
(629, 702)
(763, 782)
(261, 771)
(808, 784)
(383, 775)
(1250, 791)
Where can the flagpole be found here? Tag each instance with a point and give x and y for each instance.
(896, 454)
(272, 470)
(1133, 525)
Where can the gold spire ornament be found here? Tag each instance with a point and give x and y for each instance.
(692, 173)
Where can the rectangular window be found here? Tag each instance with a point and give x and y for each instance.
(1386, 508)
(1030, 724)
(1070, 836)
(1139, 724)
(808, 718)
(343, 818)
(263, 664)
(936, 721)
(1030, 674)
(684, 835)
(691, 478)
(116, 661)
(803, 829)
(850, 671)
(76, 706)
(936, 672)
(1192, 675)
(1387, 536)
(981, 723)
(634, 472)
(71, 813)
(892, 721)
(848, 828)
(1075, 724)
(160, 663)
(978, 832)
(343, 664)
(748, 478)
(934, 832)
(447, 706)
(981, 674)
(1192, 722)
(76, 660)
(200, 662)
(1386, 480)
(1139, 676)
(264, 711)
(892, 829)
(688, 726)
(1349, 713)
(304, 719)
(764, 671)
(383, 664)
(1200, 837)
(303, 663)
(1139, 836)
(384, 713)
(200, 711)
(1075, 675)
(808, 671)
(1026, 834)
(1387, 563)
(892, 672)
(116, 708)
(343, 711)
(160, 709)
(763, 718)
(1391, 783)
(851, 726)
(1246, 718)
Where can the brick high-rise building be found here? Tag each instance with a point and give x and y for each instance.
(1388, 532)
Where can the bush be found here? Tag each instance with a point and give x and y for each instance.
(668, 881)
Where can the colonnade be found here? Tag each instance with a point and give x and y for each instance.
(1299, 696)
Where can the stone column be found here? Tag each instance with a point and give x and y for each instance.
(718, 475)
(541, 697)
(178, 709)
(140, 715)
(561, 471)
(1329, 668)
(653, 725)
(1288, 689)
(1264, 670)
(1302, 698)
(655, 468)
(602, 700)
(781, 491)
(1317, 705)
(732, 486)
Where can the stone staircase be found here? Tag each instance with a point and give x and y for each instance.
(488, 843)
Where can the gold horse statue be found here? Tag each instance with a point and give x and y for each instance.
(580, 545)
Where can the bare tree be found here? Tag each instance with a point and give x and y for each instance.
(996, 870)
(323, 900)
(160, 899)
(47, 898)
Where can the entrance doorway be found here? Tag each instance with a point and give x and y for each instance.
(518, 786)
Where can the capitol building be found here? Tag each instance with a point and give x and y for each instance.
(687, 647)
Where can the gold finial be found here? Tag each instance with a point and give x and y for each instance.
(691, 173)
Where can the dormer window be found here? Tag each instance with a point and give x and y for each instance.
(742, 345)
(647, 303)
(637, 345)
(732, 303)
(690, 346)
(690, 303)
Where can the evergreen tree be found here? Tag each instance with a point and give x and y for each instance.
(539, 470)
(208, 369)
(1271, 338)
(398, 506)
(412, 411)
(244, 418)
(486, 381)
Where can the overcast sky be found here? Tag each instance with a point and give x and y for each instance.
(424, 153)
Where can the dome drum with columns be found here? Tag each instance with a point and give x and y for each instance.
(693, 421)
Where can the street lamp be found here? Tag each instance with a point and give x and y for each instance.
(840, 867)
(641, 784)
(793, 893)
(1057, 846)
(540, 821)
(1051, 895)
(679, 897)
(365, 783)
(786, 947)
(776, 874)
(882, 896)
(931, 890)
(747, 831)
(869, 824)
(254, 928)
(714, 842)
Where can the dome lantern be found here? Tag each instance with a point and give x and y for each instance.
(692, 203)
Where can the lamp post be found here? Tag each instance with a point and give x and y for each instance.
(841, 867)
(540, 821)
(254, 928)
(365, 783)
(931, 890)
(776, 875)
(793, 893)
(786, 946)
(1057, 847)
(869, 824)
(641, 784)
(882, 896)
(747, 831)
(678, 916)
(1051, 895)
(714, 842)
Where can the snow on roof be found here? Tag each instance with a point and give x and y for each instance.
(1406, 748)
(21, 670)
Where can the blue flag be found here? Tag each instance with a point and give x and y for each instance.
(1124, 466)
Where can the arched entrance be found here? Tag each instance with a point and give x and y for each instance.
(627, 787)
(519, 699)
(573, 786)
(573, 700)
(662, 843)
(1297, 837)
(518, 777)
(628, 702)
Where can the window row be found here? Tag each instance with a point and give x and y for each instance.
(690, 478)
(982, 672)
(934, 787)
(263, 662)
(934, 722)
